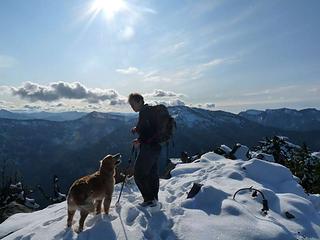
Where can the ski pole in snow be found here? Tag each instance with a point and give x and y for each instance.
(133, 152)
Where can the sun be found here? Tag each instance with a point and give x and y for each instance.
(108, 7)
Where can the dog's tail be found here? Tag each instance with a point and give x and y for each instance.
(72, 206)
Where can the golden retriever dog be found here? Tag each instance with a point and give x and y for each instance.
(87, 193)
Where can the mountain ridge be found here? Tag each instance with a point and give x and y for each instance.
(284, 118)
(40, 148)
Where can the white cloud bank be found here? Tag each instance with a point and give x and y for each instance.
(64, 90)
(161, 93)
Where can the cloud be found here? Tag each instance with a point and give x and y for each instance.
(155, 76)
(270, 91)
(128, 71)
(4, 89)
(171, 48)
(58, 105)
(314, 90)
(32, 107)
(174, 102)
(59, 90)
(192, 72)
(151, 76)
(6, 105)
(118, 102)
(197, 71)
(7, 61)
(3, 103)
(94, 107)
(214, 62)
(162, 93)
(217, 62)
(206, 105)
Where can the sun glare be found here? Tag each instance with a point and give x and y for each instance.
(108, 7)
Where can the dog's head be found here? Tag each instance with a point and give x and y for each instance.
(109, 163)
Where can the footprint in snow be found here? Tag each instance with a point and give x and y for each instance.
(131, 198)
(132, 214)
(170, 199)
(174, 181)
(52, 221)
(176, 211)
(104, 217)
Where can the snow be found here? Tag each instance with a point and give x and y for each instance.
(260, 170)
(315, 199)
(187, 116)
(211, 214)
(253, 112)
(175, 160)
(263, 156)
(241, 152)
(225, 148)
(316, 154)
(198, 117)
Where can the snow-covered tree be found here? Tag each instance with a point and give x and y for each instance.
(297, 158)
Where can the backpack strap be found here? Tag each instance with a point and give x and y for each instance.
(167, 145)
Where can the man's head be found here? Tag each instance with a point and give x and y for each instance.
(136, 101)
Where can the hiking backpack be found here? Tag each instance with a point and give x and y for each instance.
(164, 123)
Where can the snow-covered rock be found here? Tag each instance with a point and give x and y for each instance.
(225, 148)
(241, 152)
(211, 214)
(262, 156)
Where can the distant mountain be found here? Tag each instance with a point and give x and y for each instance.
(52, 116)
(41, 148)
(284, 118)
(7, 114)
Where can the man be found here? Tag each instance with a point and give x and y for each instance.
(146, 166)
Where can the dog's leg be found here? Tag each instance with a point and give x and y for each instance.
(83, 216)
(106, 204)
(71, 211)
(98, 206)
(70, 217)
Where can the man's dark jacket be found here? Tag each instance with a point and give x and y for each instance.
(146, 126)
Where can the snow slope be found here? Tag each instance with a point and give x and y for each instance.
(211, 214)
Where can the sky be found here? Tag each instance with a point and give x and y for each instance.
(90, 55)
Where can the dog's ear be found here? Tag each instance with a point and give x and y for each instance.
(108, 157)
(116, 156)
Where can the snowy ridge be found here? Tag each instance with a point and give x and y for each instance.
(103, 116)
(284, 118)
(202, 118)
(50, 116)
(211, 214)
(253, 112)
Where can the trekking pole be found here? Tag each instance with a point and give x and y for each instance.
(126, 174)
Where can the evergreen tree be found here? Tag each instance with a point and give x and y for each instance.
(298, 159)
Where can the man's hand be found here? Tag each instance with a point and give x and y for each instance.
(129, 171)
(134, 130)
(136, 143)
